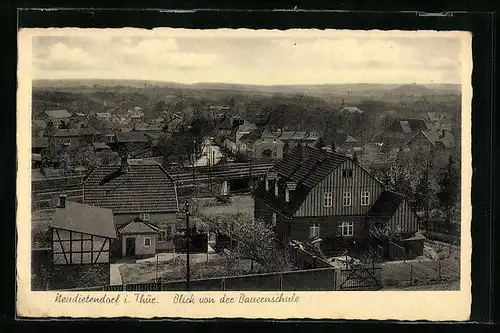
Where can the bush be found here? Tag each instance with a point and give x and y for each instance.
(442, 237)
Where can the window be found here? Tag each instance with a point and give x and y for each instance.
(147, 242)
(145, 216)
(346, 199)
(267, 184)
(347, 228)
(162, 237)
(365, 198)
(276, 187)
(274, 219)
(328, 199)
(314, 230)
(287, 195)
(347, 173)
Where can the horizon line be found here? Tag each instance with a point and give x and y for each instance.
(251, 84)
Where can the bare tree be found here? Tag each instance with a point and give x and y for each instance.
(254, 239)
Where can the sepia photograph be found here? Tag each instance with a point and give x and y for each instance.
(246, 162)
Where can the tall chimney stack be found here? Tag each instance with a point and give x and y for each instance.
(125, 164)
(62, 201)
(304, 151)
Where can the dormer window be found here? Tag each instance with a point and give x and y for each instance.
(289, 186)
(145, 216)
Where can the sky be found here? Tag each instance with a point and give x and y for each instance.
(260, 60)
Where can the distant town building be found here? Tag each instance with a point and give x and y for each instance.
(431, 141)
(292, 139)
(261, 144)
(59, 118)
(38, 144)
(346, 144)
(103, 115)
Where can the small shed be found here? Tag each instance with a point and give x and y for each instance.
(138, 238)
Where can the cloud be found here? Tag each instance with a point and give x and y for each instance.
(359, 53)
(121, 54)
(60, 56)
(249, 60)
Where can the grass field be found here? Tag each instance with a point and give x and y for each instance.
(216, 266)
(240, 203)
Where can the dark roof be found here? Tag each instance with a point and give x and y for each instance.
(429, 137)
(225, 124)
(124, 137)
(67, 133)
(386, 205)
(58, 114)
(145, 188)
(37, 142)
(306, 167)
(342, 138)
(89, 131)
(85, 219)
(138, 226)
(260, 133)
(409, 125)
(100, 145)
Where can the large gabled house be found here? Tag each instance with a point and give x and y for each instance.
(292, 139)
(314, 194)
(135, 189)
(261, 144)
(60, 118)
(431, 141)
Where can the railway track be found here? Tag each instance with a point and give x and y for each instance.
(204, 174)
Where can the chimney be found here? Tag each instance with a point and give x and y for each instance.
(125, 167)
(62, 201)
(304, 152)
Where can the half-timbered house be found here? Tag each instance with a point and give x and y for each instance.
(313, 194)
(81, 237)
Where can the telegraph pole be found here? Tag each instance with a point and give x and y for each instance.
(193, 158)
(188, 246)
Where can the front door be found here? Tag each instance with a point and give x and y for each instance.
(130, 247)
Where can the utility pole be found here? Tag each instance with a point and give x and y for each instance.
(188, 247)
(194, 178)
(209, 154)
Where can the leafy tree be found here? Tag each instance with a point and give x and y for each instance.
(320, 143)
(423, 193)
(188, 142)
(50, 129)
(254, 239)
(84, 155)
(159, 107)
(448, 192)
